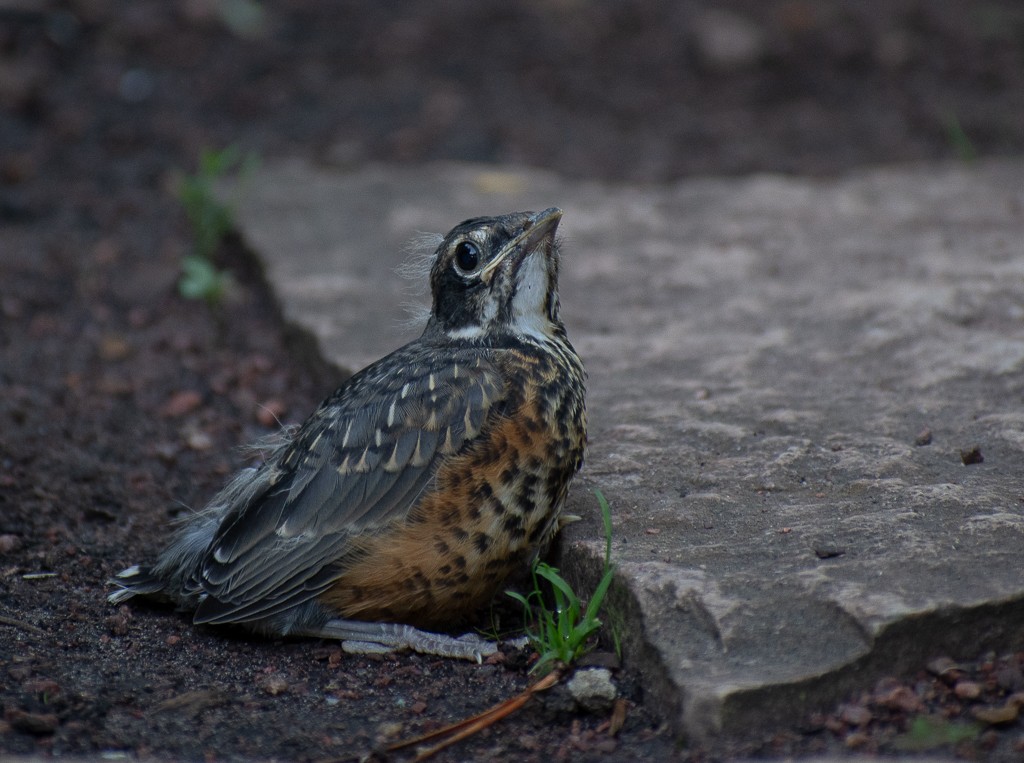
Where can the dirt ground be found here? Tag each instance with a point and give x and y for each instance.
(122, 404)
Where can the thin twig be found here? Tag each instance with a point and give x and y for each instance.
(23, 625)
(469, 726)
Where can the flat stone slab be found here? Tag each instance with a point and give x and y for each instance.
(787, 377)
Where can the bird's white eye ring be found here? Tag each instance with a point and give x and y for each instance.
(467, 256)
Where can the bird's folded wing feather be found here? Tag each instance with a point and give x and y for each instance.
(358, 464)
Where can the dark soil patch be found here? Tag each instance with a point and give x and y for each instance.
(121, 404)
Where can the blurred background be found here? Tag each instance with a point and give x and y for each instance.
(638, 90)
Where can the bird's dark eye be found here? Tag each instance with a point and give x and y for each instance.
(467, 256)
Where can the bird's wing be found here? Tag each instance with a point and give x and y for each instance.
(359, 463)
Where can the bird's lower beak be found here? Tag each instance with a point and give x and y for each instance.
(538, 228)
(541, 225)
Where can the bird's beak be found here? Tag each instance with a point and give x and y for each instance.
(538, 227)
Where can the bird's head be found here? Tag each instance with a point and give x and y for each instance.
(498, 275)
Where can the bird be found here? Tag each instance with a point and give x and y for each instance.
(401, 505)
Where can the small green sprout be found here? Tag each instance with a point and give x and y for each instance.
(211, 220)
(200, 279)
(560, 635)
(930, 732)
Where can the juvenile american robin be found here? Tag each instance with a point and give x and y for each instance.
(414, 490)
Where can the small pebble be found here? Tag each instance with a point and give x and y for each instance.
(828, 551)
(274, 685)
(593, 689)
(856, 715)
(898, 697)
(199, 441)
(118, 624)
(856, 740)
(943, 667)
(389, 729)
(971, 455)
(995, 716)
(181, 403)
(967, 689)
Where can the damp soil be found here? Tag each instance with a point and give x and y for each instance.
(123, 405)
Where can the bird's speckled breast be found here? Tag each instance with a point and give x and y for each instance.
(488, 510)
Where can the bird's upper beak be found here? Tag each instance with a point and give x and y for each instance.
(538, 227)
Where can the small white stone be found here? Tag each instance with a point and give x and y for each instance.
(593, 689)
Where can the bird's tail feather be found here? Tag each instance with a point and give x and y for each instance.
(134, 581)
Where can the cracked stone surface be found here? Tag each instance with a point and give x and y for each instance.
(786, 378)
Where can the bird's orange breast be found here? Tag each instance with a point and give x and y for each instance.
(486, 513)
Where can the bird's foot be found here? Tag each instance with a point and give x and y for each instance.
(359, 637)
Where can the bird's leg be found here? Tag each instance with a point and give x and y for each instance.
(358, 637)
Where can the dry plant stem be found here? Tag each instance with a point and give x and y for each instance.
(469, 726)
(23, 625)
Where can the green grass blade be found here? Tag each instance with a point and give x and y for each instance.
(565, 597)
(606, 519)
(597, 598)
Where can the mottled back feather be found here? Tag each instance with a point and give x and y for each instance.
(355, 467)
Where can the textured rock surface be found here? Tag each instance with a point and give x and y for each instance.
(764, 356)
